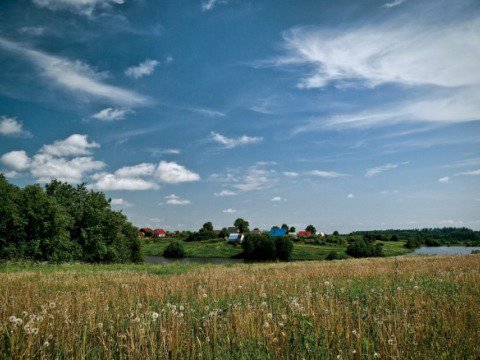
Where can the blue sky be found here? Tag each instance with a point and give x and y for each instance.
(350, 115)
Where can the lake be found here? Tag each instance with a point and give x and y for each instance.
(192, 260)
(445, 250)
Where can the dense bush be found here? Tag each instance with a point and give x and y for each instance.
(363, 248)
(333, 255)
(174, 250)
(283, 248)
(259, 247)
(63, 223)
(201, 235)
(412, 243)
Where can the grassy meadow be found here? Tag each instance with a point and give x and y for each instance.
(386, 308)
(301, 250)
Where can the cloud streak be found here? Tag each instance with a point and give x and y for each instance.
(74, 76)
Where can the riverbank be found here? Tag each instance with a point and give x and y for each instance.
(301, 251)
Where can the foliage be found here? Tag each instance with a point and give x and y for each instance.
(335, 233)
(208, 226)
(361, 248)
(174, 250)
(283, 248)
(242, 225)
(311, 228)
(333, 255)
(292, 229)
(412, 243)
(64, 223)
(259, 247)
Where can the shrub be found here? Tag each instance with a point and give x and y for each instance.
(333, 255)
(362, 248)
(174, 250)
(432, 242)
(412, 243)
(283, 248)
(259, 247)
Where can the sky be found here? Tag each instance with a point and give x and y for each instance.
(348, 115)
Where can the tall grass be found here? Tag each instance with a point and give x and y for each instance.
(416, 307)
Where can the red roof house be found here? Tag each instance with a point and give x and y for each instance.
(304, 233)
(159, 233)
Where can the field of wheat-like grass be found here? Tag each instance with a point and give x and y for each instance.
(410, 307)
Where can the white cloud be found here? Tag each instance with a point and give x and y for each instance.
(350, 196)
(120, 203)
(225, 193)
(173, 173)
(379, 169)
(326, 174)
(277, 199)
(175, 200)
(105, 181)
(393, 3)
(12, 174)
(32, 30)
(143, 69)
(74, 76)
(16, 160)
(144, 169)
(208, 5)
(83, 7)
(469, 173)
(255, 179)
(111, 114)
(45, 168)
(230, 143)
(440, 60)
(290, 174)
(11, 127)
(444, 179)
(229, 211)
(75, 144)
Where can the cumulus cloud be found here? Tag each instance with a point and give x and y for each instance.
(379, 169)
(350, 196)
(229, 211)
(12, 127)
(277, 199)
(145, 176)
(73, 76)
(61, 160)
(16, 160)
(175, 200)
(75, 144)
(143, 69)
(111, 114)
(326, 174)
(83, 7)
(173, 173)
(225, 193)
(230, 143)
(120, 203)
(444, 179)
(290, 173)
(255, 177)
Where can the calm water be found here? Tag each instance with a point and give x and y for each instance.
(445, 250)
(192, 260)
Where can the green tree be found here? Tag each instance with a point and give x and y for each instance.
(174, 250)
(283, 248)
(259, 247)
(292, 229)
(208, 226)
(285, 226)
(312, 229)
(242, 225)
(335, 233)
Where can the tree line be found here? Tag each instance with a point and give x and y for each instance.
(61, 222)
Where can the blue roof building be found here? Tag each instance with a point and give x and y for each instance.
(277, 232)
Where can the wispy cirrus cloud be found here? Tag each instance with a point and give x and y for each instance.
(111, 114)
(393, 3)
(326, 174)
(208, 5)
(83, 7)
(176, 200)
(230, 143)
(380, 169)
(73, 76)
(145, 68)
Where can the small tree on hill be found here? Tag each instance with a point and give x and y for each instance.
(312, 229)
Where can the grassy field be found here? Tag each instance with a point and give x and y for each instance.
(301, 251)
(386, 308)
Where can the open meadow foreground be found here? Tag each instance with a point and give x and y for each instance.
(409, 307)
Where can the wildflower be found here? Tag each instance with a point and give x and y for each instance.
(182, 308)
(354, 332)
(155, 315)
(12, 319)
(284, 317)
(46, 344)
(390, 342)
(415, 287)
(328, 283)
(52, 305)
(275, 340)
(204, 295)
(270, 315)
(264, 303)
(354, 351)
(18, 321)
(339, 356)
(266, 325)
(280, 324)
(100, 325)
(24, 313)
(34, 331)
(376, 355)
